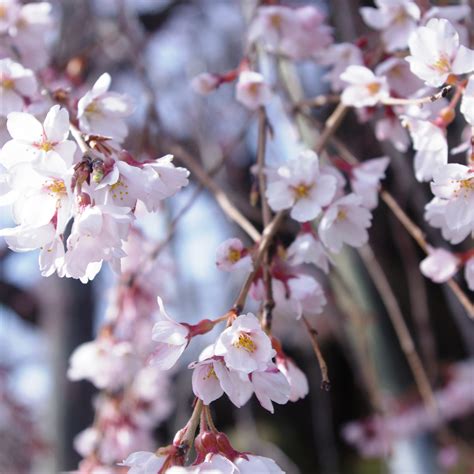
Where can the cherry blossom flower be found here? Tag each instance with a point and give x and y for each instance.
(436, 53)
(469, 273)
(430, 144)
(231, 256)
(364, 88)
(455, 184)
(270, 385)
(30, 31)
(294, 296)
(397, 19)
(252, 90)
(211, 378)
(467, 104)
(456, 14)
(339, 56)
(10, 11)
(16, 83)
(97, 235)
(345, 221)
(365, 180)
(295, 377)
(389, 128)
(440, 265)
(45, 145)
(143, 462)
(435, 214)
(213, 463)
(149, 182)
(104, 362)
(307, 249)
(400, 79)
(254, 464)
(205, 83)
(301, 186)
(295, 32)
(172, 339)
(101, 112)
(244, 345)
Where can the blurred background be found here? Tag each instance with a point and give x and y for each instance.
(152, 48)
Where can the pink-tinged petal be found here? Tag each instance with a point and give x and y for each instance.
(205, 383)
(165, 356)
(464, 61)
(305, 210)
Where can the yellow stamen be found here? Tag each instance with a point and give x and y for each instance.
(7, 83)
(276, 21)
(342, 215)
(442, 64)
(91, 108)
(245, 342)
(234, 255)
(45, 146)
(57, 186)
(301, 191)
(211, 373)
(373, 87)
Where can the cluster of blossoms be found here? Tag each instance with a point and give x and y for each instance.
(374, 436)
(134, 397)
(49, 181)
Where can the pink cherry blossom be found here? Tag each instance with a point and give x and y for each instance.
(231, 256)
(16, 84)
(270, 385)
(440, 265)
(397, 19)
(307, 249)
(142, 462)
(365, 180)
(257, 464)
(205, 83)
(295, 377)
(252, 90)
(345, 221)
(244, 345)
(172, 339)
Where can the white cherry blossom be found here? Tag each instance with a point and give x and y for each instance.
(16, 84)
(430, 144)
(440, 265)
(172, 339)
(270, 385)
(101, 112)
(365, 180)
(104, 362)
(257, 464)
(295, 32)
(244, 345)
(397, 19)
(143, 462)
(252, 90)
(232, 256)
(467, 104)
(436, 53)
(455, 184)
(295, 377)
(301, 186)
(44, 145)
(364, 88)
(345, 221)
(307, 249)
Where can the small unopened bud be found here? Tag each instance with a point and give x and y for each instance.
(205, 83)
(445, 117)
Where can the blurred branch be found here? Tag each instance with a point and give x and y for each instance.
(20, 301)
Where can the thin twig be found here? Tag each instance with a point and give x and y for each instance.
(268, 303)
(332, 123)
(420, 101)
(325, 382)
